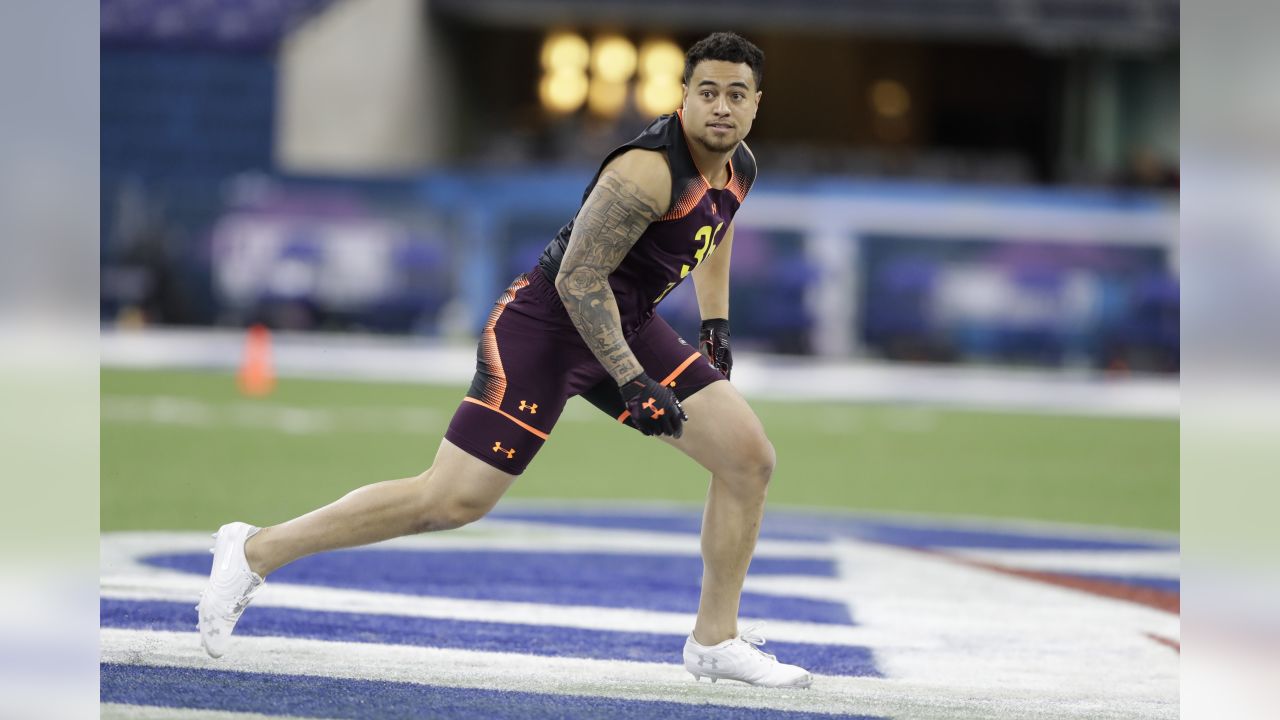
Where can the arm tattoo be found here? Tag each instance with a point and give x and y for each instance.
(611, 220)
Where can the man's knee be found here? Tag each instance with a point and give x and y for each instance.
(439, 509)
(456, 512)
(449, 513)
(750, 466)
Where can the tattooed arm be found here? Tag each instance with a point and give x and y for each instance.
(633, 191)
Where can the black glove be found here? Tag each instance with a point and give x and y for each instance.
(654, 408)
(713, 343)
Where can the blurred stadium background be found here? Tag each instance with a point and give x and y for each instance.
(955, 286)
(955, 304)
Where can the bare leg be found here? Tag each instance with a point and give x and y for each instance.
(455, 490)
(725, 436)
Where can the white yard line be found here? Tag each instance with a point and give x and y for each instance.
(400, 359)
(119, 550)
(186, 588)
(124, 577)
(172, 410)
(120, 711)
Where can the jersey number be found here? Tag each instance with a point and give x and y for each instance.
(706, 236)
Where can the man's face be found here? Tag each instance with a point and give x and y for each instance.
(720, 103)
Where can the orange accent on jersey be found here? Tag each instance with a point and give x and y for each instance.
(495, 390)
(667, 380)
(688, 199)
(739, 188)
(515, 420)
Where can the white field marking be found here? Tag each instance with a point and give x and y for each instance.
(186, 588)
(995, 634)
(266, 415)
(1132, 563)
(125, 577)
(956, 641)
(120, 711)
(119, 550)
(781, 378)
(641, 681)
(501, 533)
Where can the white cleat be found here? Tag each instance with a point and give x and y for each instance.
(231, 587)
(740, 659)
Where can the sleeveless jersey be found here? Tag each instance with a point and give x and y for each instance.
(673, 245)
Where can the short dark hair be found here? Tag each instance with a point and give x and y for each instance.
(727, 46)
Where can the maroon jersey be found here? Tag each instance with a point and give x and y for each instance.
(672, 246)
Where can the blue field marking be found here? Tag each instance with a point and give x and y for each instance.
(814, 527)
(940, 538)
(310, 696)
(468, 635)
(1163, 584)
(674, 521)
(667, 583)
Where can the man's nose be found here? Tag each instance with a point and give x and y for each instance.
(721, 107)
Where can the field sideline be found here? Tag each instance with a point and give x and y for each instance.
(183, 450)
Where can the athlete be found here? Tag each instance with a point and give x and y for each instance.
(582, 322)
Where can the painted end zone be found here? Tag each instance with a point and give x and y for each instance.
(549, 611)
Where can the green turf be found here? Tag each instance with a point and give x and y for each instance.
(184, 450)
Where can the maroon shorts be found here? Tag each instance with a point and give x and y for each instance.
(531, 360)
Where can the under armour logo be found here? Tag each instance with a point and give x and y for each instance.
(656, 413)
(708, 661)
(497, 447)
(533, 409)
(713, 208)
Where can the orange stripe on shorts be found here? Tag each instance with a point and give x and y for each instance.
(515, 420)
(674, 374)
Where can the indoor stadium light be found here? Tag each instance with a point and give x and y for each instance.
(661, 72)
(606, 98)
(563, 91)
(889, 98)
(613, 59)
(658, 95)
(565, 51)
(563, 87)
(661, 58)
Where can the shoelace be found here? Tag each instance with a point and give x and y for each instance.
(752, 636)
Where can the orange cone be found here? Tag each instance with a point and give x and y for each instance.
(257, 377)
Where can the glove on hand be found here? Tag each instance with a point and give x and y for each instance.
(713, 343)
(653, 407)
